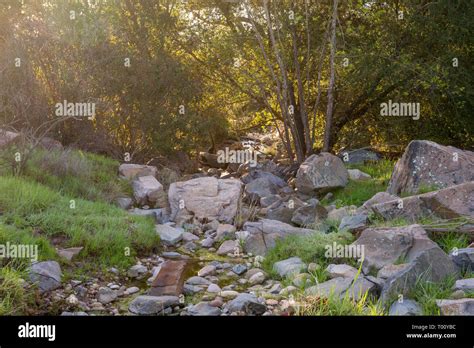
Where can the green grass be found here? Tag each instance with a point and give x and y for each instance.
(337, 305)
(450, 240)
(357, 192)
(77, 173)
(13, 296)
(426, 293)
(310, 248)
(104, 230)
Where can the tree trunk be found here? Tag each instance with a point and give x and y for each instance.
(330, 107)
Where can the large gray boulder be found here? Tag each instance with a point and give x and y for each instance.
(430, 265)
(448, 203)
(426, 163)
(321, 173)
(204, 309)
(264, 233)
(261, 184)
(205, 198)
(309, 214)
(406, 307)
(359, 156)
(148, 191)
(46, 274)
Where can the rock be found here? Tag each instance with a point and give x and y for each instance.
(206, 198)
(464, 259)
(207, 243)
(353, 224)
(124, 202)
(302, 280)
(379, 197)
(282, 211)
(169, 236)
(360, 287)
(47, 274)
(74, 314)
(189, 237)
(131, 171)
(211, 160)
(239, 269)
(69, 253)
(148, 191)
(430, 264)
(466, 285)
(106, 295)
(389, 245)
(337, 215)
(170, 279)
(246, 303)
(225, 231)
(309, 214)
(257, 278)
(335, 287)
(449, 203)
(359, 156)
(288, 290)
(407, 307)
(264, 233)
(137, 271)
(357, 175)
(463, 306)
(426, 163)
(152, 305)
(131, 290)
(217, 302)
(213, 288)
(341, 270)
(389, 270)
(313, 267)
(207, 270)
(229, 294)
(228, 247)
(321, 173)
(198, 281)
(262, 187)
(204, 309)
(289, 267)
(267, 201)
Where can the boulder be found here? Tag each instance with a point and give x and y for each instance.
(152, 305)
(353, 224)
(246, 303)
(430, 264)
(389, 245)
(148, 191)
(205, 198)
(337, 215)
(333, 287)
(264, 233)
(466, 285)
(379, 197)
(289, 267)
(283, 210)
(228, 247)
(204, 309)
(341, 270)
(46, 274)
(358, 175)
(406, 307)
(463, 306)
(448, 203)
(106, 295)
(321, 173)
(124, 202)
(211, 160)
(463, 258)
(225, 231)
(131, 171)
(169, 236)
(309, 214)
(426, 163)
